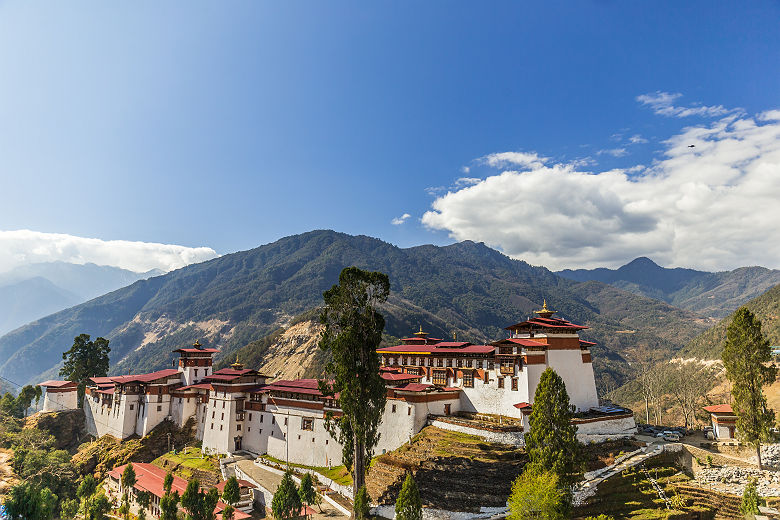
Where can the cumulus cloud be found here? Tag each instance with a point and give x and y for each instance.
(714, 206)
(25, 246)
(522, 159)
(467, 181)
(636, 139)
(662, 103)
(614, 152)
(397, 221)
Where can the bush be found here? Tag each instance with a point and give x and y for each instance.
(362, 504)
(408, 506)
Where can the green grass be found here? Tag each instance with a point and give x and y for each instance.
(187, 460)
(337, 474)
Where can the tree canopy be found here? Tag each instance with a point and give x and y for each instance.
(306, 490)
(85, 359)
(27, 501)
(232, 492)
(746, 357)
(286, 502)
(198, 503)
(551, 441)
(537, 495)
(353, 331)
(408, 505)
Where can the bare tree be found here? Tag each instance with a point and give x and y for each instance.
(688, 383)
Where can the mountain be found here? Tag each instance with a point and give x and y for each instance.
(30, 299)
(766, 307)
(241, 298)
(707, 294)
(32, 291)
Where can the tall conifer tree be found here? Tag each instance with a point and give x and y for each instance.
(353, 331)
(746, 357)
(408, 506)
(551, 441)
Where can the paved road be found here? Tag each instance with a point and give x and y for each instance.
(271, 481)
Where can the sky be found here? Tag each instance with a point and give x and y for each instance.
(151, 135)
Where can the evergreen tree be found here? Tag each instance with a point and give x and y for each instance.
(26, 501)
(408, 506)
(746, 355)
(306, 491)
(537, 495)
(228, 512)
(353, 331)
(199, 505)
(286, 502)
(69, 508)
(750, 500)
(169, 501)
(98, 508)
(232, 492)
(85, 359)
(86, 489)
(551, 441)
(362, 505)
(128, 481)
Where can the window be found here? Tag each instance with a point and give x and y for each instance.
(250, 416)
(393, 408)
(220, 427)
(491, 365)
(312, 439)
(203, 419)
(238, 427)
(248, 429)
(196, 372)
(440, 362)
(409, 411)
(506, 350)
(159, 408)
(212, 414)
(261, 417)
(479, 363)
(132, 406)
(449, 362)
(468, 379)
(285, 421)
(212, 426)
(469, 363)
(223, 404)
(222, 418)
(439, 377)
(273, 420)
(179, 400)
(500, 382)
(307, 424)
(460, 363)
(514, 383)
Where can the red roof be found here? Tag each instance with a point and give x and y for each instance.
(586, 343)
(149, 477)
(102, 381)
(241, 484)
(106, 391)
(145, 378)
(229, 374)
(193, 350)
(439, 348)
(552, 323)
(391, 376)
(201, 386)
(523, 405)
(297, 386)
(420, 387)
(525, 342)
(52, 383)
(720, 409)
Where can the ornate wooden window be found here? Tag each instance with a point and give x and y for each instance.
(514, 383)
(439, 362)
(500, 380)
(479, 363)
(468, 379)
(506, 350)
(460, 362)
(307, 424)
(469, 363)
(440, 377)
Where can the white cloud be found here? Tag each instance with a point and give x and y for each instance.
(467, 181)
(397, 221)
(522, 159)
(636, 139)
(714, 206)
(662, 103)
(25, 246)
(465, 169)
(614, 152)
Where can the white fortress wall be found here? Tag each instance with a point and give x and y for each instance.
(578, 376)
(55, 401)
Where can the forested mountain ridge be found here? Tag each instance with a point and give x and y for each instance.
(240, 298)
(705, 293)
(709, 345)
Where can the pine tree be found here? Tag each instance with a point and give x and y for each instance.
(537, 495)
(232, 492)
(286, 503)
(551, 441)
(746, 357)
(169, 501)
(353, 331)
(85, 359)
(750, 500)
(306, 491)
(408, 505)
(362, 505)
(228, 512)
(128, 481)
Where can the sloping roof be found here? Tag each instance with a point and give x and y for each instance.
(241, 484)
(199, 386)
(720, 409)
(297, 386)
(391, 376)
(53, 383)
(522, 406)
(421, 387)
(551, 323)
(438, 348)
(102, 381)
(230, 374)
(192, 350)
(525, 342)
(145, 378)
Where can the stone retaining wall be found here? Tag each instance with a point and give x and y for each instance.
(514, 438)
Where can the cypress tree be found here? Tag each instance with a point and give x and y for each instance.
(408, 506)
(232, 492)
(362, 504)
(750, 500)
(551, 441)
(286, 502)
(746, 355)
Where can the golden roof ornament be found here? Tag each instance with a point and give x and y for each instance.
(237, 365)
(421, 333)
(196, 344)
(545, 312)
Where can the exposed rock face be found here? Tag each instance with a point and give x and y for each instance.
(67, 427)
(295, 353)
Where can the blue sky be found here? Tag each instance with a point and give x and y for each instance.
(229, 125)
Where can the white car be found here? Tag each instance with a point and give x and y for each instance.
(672, 436)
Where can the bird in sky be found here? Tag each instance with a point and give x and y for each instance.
(691, 146)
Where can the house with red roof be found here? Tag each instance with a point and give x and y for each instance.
(150, 478)
(59, 395)
(724, 421)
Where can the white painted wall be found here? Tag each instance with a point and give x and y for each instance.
(578, 376)
(58, 401)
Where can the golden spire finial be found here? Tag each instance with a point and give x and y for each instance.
(421, 333)
(237, 365)
(545, 312)
(196, 344)
(455, 335)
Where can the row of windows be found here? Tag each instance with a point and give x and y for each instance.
(441, 362)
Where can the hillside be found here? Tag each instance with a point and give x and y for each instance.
(33, 291)
(766, 307)
(243, 297)
(707, 294)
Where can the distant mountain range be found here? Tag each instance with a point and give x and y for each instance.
(241, 298)
(33, 291)
(706, 294)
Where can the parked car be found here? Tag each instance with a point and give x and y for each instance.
(672, 436)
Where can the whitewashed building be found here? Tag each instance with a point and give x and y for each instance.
(60, 395)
